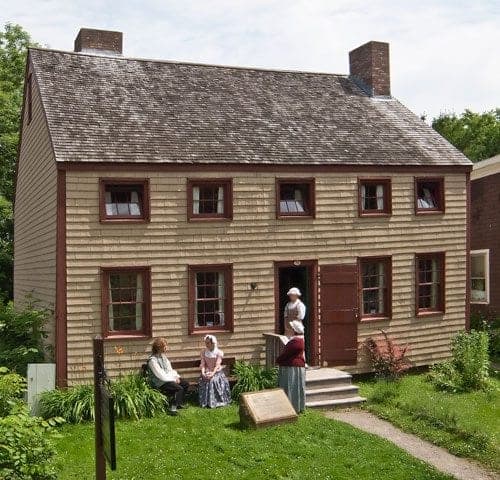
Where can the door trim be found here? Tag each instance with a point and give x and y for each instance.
(312, 265)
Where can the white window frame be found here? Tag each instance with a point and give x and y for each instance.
(486, 255)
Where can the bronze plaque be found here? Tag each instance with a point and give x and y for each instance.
(265, 408)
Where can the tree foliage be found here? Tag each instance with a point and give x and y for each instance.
(477, 135)
(14, 42)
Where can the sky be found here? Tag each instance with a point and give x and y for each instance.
(444, 54)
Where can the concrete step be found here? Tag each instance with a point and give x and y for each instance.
(336, 403)
(330, 393)
(327, 377)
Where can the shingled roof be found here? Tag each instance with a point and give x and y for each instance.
(114, 109)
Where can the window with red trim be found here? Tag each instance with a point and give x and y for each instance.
(124, 199)
(375, 287)
(295, 198)
(210, 199)
(126, 301)
(210, 297)
(430, 282)
(374, 197)
(429, 195)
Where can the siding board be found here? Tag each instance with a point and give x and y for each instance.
(252, 242)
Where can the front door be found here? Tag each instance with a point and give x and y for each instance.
(303, 275)
(339, 314)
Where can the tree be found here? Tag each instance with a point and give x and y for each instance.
(14, 42)
(477, 135)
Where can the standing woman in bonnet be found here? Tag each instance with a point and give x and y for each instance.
(214, 388)
(292, 372)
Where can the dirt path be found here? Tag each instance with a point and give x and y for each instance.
(440, 458)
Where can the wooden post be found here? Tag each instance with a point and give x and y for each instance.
(100, 461)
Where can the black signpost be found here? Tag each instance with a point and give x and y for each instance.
(105, 447)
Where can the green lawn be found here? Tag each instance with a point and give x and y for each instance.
(209, 444)
(467, 424)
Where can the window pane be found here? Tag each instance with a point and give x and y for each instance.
(210, 299)
(429, 283)
(294, 198)
(428, 195)
(123, 200)
(373, 280)
(125, 296)
(477, 265)
(208, 199)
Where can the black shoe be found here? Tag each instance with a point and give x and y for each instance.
(180, 407)
(173, 411)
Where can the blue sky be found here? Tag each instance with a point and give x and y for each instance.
(444, 54)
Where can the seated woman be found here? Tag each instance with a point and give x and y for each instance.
(213, 385)
(291, 375)
(164, 378)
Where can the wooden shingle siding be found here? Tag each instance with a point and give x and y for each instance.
(251, 243)
(35, 214)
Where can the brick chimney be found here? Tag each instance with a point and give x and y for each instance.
(90, 40)
(369, 68)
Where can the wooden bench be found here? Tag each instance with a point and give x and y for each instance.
(190, 370)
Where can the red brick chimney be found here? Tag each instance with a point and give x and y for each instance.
(90, 40)
(369, 67)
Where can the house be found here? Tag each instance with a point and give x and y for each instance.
(159, 198)
(485, 236)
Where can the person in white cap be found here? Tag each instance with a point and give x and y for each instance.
(291, 374)
(294, 309)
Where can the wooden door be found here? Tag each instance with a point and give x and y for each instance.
(339, 314)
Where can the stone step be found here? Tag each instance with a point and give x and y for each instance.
(336, 403)
(324, 378)
(330, 393)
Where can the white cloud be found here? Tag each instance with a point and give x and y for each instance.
(443, 53)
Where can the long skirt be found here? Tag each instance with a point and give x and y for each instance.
(214, 392)
(293, 381)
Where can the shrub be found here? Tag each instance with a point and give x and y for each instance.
(26, 449)
(384, 392)
(469, 367)
(134, 398)
(12, 388)
(388, 359)
(22, 335)
(488, 322)
(253, 377)
(75, 404)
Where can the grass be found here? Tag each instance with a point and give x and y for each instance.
(210, 444)
(467, 424)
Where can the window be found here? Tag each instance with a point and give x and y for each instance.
(295, 198)
(429, 195)
(375, 287)
(479, 276)
(210, 199)
(124, 200)
(29, 99)
(126, 301)
(429, 283)
(374, 197)
(210, 298)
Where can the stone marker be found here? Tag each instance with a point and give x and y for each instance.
(265, 408)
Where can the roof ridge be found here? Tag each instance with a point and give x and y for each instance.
(197, 64)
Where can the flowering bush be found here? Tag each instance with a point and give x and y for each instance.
(388, 359)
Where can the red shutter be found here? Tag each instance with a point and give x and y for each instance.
(339, 314)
